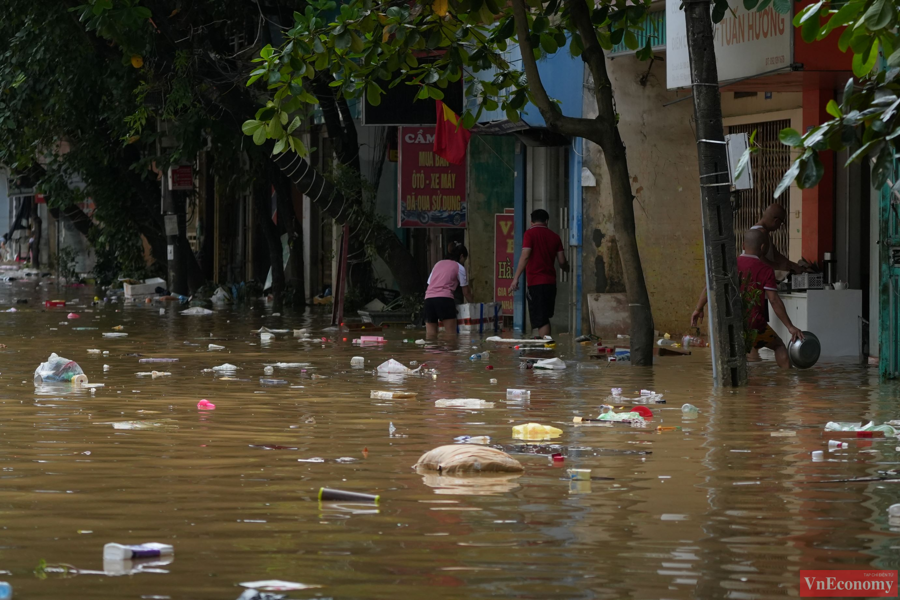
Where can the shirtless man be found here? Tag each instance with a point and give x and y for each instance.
(772, 219)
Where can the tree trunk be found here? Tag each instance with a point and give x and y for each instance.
(642, 328)
(725, 304)
(262, 205)
(604, 132)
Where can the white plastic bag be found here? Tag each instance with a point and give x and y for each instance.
(57, 370)
(392, 366)
(550, 364)
(197, 310)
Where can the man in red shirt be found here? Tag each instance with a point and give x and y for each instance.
(758, 276)
(540, 249)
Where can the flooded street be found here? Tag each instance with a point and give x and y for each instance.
(720, 507)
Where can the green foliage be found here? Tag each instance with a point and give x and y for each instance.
(65, 264)
(368, 47)
(865, 121)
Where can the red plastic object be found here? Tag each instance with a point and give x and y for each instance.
(54, 303)
(558, 458)
(72, 316)
(489, 368)
(205, 405)
(643, 411)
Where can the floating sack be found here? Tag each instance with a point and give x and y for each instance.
(467, 459)
(392, 366)
(535, 431)
(550, 364)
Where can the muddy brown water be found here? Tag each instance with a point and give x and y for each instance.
(719, 508)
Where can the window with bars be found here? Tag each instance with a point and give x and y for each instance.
(769, 166)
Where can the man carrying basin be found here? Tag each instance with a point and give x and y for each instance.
(758, 282)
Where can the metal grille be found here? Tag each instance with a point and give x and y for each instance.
(769, 166)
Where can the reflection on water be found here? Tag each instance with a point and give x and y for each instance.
(729, 505)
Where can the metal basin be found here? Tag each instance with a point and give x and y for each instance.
(805, 353)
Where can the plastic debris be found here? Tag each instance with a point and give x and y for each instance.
(818, 455)
(265, 381)
(286, 365)
(357, 362)
(276, 585)
(148, 550)
(380, 395)
(216, 347)
(6, 591)
(535, 431)
(607, 414)
(269, 370)
(153, 374)
(513, 394)
(520, 342)
(483, 440)
(463, 403)
(330, 495)
(93, 351)
(197, 310)
(885, 429)
(225, 368)
(205, 405)
(72, 316)
(158, 360)
(690, 411)
(392, 366)
(106, 367)
(616, 392)
(550, 364)
(142, 425)
(467, 459)
(391, 429)
(114, 334)
(579, 474)
(836, 445)
(493, 382)
(59, 370)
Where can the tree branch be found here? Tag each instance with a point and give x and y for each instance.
(572, 126)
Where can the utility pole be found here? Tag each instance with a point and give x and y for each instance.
(726, 317)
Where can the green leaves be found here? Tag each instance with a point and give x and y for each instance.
(788, 178)
(880, 14)
(255, 128)
(790, 137)
(864, 62)
(833, 109)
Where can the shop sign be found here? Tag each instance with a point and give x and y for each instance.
(504, 251)
(747, 43)
(432, 192)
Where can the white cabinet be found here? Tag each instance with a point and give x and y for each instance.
(835, 316)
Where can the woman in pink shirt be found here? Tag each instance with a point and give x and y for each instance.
(446, 276)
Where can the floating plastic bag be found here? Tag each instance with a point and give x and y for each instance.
(392, 366)
(517, 342)
(886, 429)
(227, 368)
(58, 369)
(197, 310)
(463, 403)
(634, 418)
(464, 459)
(550, 364)
(535, 431)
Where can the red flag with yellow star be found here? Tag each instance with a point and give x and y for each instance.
(450, 137)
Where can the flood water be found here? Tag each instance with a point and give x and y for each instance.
(719, 508)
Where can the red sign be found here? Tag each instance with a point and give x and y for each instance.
(432, 191)
(181, 177)
(848, 584)
(504, 248)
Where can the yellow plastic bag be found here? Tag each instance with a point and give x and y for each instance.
(535, 431)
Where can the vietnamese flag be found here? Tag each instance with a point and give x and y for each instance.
(450, 137)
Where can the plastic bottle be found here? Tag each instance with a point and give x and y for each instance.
(894, 510)
(148, 550)
(326, 494)
(836, 445)
(692, 340)
(512, 394)
(269, 370)
(690, 410)
(265, 381)
(818, 456)
(475, 357)
(664, 342)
